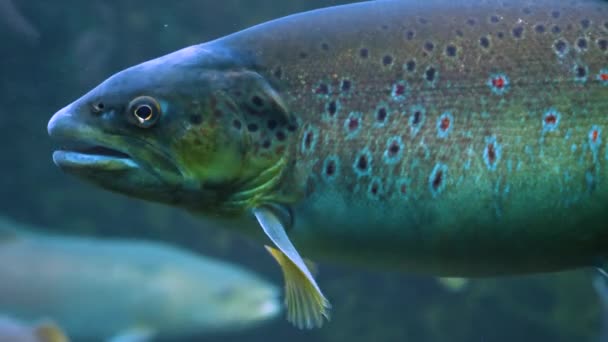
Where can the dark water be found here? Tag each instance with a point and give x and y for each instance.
(72, 45)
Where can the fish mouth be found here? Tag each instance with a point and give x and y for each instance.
(93, 156)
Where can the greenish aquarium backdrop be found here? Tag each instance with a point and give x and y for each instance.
(52, 52)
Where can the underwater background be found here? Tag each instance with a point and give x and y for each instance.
(73, 45)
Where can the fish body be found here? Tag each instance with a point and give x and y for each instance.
(102, 289)
(455, 138)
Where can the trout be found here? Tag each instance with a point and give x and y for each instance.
(455, 138)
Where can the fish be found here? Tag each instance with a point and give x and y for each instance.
(43, 331)
(451, 138)
(126, 289)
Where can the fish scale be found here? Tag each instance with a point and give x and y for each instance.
(458, 138)
(477, 195)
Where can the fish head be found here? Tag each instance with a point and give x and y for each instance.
(213, 299)
(179, 129)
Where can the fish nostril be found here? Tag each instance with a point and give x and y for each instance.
(97, 107)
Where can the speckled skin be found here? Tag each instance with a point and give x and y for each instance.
(462, 138)
(520, 190)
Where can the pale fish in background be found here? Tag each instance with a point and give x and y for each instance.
(125, 290)
(15, 331)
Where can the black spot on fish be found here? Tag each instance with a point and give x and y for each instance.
(471, 22)
(387, 60)
(527, 10)
(437, 180)
(332, 108)
(281, 136)
(582, 43)
(585, 23)
(308, 138)
(423, 21)
(417, 117)
(252, 127)
(394, 149)
(500, 35)
(364, 53)
(429, 46)
(494, 19)
(409, 35)
(322, 89)
(556, 29)
(346, 85)
(330, 168)
(384, 27)
(410, 66)
(539, 28)
(430, 74)
(381, 114)
(266, 144)
(450, 51)
(518, 32)
(324, 46)
(602, 44)
(257, 101)
(272, 124)
(292, 127)
(484, 42)
(196, 119)
(581, 72)
(459, 33)
(560, 47)
(237, 124)
(303, 55)
(555, 14)
(362, 163)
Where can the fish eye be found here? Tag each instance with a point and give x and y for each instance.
(145, 110)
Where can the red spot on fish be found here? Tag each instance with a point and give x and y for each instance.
(399, 89)
(594, 135)
(498, 82)
(550, 119)
(403, 189)
(604, 77)
(444, 125)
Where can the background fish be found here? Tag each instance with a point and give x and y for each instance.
(450, 138)
(96, 288)
(12, 330)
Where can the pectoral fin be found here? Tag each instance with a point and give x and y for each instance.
(50, 332)
(306, 305)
